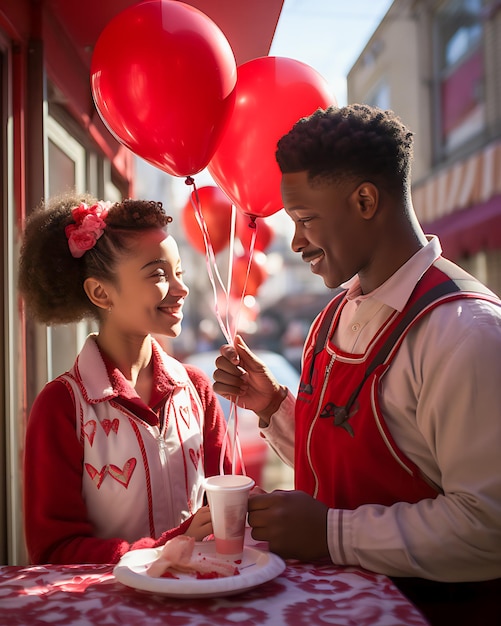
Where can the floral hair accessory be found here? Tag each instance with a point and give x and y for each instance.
(88, 227)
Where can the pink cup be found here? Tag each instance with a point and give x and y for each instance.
(228, 497)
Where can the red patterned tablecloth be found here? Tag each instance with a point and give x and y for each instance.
(304, 595)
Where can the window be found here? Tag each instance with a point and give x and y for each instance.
(460, 30)
(380, 95)
(66, 160)
(66, 172)
(461, 72)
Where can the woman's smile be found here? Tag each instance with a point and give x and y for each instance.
(173, 310)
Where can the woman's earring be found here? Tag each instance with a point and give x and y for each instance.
(110, 308)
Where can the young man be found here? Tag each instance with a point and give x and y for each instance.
(395, 434)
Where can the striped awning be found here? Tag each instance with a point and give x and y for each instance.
(462, 204)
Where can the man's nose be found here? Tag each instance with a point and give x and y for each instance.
(299, 241)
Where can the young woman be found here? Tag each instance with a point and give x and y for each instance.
(116, 448)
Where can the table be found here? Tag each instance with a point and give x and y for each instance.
(304, 595)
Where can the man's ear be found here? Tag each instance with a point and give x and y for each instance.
(366, 196)
(97, 293)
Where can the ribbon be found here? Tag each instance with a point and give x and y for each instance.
(228, 325)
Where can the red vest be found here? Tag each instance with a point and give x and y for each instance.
(345, 455)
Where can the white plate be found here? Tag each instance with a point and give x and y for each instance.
(257, 567)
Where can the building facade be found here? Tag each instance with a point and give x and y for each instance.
(437, 64)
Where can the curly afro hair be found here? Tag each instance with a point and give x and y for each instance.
(356, 141)
(51, 280)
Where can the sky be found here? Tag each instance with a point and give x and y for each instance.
(328, 35)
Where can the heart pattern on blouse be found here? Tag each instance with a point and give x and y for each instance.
(195, 456)
(122, 476)
(185, 415)
(90, 430)
(110, 425)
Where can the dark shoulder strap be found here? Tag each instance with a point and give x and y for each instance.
(327, 321)
(458, 281)
(463, 283)
(420, 305)
(459, 277)
(455, 281)
(323, 332)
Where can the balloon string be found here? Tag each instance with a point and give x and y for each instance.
(210, 259)
(231, 434)
(231, 256)
(252, 245)
(212, 270)
(233, 441)
(234, 407)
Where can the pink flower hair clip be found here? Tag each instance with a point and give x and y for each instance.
(88, 227)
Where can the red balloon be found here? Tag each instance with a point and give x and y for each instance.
(163, 77)
(257, 274)
(216, 211)
(246, 226)
(272, 94)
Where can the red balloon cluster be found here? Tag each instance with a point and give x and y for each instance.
(257, 274)
(272, 94)
(165, 82)
(215, 209)
(163, 77)
(246, 226)
(216, 212)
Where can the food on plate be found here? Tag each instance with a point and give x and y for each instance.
(177, 556)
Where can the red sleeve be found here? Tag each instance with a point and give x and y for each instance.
(214, 422)
(57, 528)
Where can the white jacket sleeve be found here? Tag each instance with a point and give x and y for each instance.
(280, 431)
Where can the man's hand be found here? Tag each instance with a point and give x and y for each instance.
(242, 376)
(292, 522)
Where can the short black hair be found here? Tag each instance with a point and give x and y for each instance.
(358, 141)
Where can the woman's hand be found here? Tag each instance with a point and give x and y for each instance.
(201, 524)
